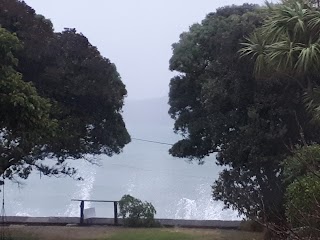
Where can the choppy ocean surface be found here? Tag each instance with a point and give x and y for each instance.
(177, 188)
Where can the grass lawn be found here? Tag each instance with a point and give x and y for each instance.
(112, 233)
(150, 234)
(183, 234)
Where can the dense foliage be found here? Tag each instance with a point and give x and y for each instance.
(83, 89)
(302, 173)
(136, 213)
(288, 46)
(24, 119)
(219, 105)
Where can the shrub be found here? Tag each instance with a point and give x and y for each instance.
(303, 201)
(302, 174)
(136, 213)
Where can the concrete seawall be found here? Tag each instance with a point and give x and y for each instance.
(110, 221)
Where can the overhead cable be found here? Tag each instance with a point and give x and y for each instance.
(151, 141)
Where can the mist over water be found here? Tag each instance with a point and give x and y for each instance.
(177, 188)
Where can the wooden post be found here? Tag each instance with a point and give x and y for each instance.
(115, 206)
(81, 212)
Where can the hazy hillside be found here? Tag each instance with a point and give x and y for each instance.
(149, 119)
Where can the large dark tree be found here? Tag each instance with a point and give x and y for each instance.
(219, 106)
(288, 46)
(24, 118)
(83, 87)
(89, 97)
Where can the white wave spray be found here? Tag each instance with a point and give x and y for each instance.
(83, 188)
(203, 207)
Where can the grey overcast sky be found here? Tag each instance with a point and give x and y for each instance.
(134, 34)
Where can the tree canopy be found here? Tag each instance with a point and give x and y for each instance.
(24, 118)
(81, 90)
(288, 45)
(220, 106)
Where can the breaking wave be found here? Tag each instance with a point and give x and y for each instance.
(83, 188)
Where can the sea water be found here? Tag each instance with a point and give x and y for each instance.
(178, 188)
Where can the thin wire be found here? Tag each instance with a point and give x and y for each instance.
(152, 141)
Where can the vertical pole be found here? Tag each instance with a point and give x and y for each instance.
(81, 212)
(115, 209)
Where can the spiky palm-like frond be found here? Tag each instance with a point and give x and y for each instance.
(256, 48)
(289, 43)
(281, 55)
(286, 21)
(308, 59)
(313, 18)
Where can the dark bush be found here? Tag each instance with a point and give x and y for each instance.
(136, 213)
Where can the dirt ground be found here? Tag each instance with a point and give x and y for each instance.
(62, 232)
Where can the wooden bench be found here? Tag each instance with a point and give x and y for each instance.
(115, 208)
